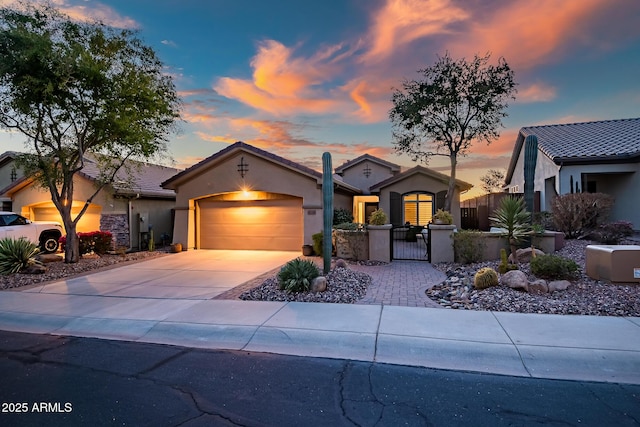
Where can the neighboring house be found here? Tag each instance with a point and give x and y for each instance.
(601, 156)
(127, 208)
(246, 198)
(9, 173)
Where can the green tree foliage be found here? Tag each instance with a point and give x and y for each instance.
(492, 181)
(454, 104)
(80, 90)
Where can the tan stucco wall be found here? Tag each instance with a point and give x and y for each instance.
(156, 212)
(263, 175)
(354, 175)
(419, 182)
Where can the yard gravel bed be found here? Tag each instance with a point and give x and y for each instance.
(584, 296)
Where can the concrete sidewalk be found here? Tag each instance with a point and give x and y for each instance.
(587, 348)
(169, 300)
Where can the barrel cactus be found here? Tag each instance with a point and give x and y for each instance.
(485, 278)
(327, 209)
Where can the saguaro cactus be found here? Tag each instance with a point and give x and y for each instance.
(327, 210)
(530, 159)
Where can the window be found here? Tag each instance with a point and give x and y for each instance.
(418, 208)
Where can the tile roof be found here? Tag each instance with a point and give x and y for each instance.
(136, 178)
(421, 170)
(591, 140)
(144, 179)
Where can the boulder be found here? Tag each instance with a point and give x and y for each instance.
(45, 258)
(515, 279)
(319, 284)
(538, 286)
(559, 285)
(525, 255)
(341, 264)
(36, 268)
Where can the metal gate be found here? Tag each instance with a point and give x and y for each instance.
(410, 242)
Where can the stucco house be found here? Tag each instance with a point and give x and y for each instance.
(601, 156)
(127, 208)
(244, 197)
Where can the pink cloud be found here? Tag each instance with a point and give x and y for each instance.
(401, 22)
(283, 83)
(528, 33)
(536, 92)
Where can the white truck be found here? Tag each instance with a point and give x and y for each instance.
(45, 234)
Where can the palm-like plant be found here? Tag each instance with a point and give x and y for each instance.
(16, 255)
(512, 216)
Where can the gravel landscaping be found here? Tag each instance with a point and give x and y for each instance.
(344, 285)
(584, 296)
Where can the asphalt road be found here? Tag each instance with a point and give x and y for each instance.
(66, 381)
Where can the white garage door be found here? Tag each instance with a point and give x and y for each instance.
(252, 225)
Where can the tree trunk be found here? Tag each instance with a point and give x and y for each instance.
(448, 201)
(72, 247)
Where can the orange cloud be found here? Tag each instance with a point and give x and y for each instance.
(528, 33)
(502, 146)
(400, 22)
(283, 83)
(373, 99)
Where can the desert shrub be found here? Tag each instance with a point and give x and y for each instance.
(579, 214)
(341, 216)
(297, 275)
(16, 255)
(613, 232)
(378, 217)
(468, 246)
(485, 278)
(317, 242)
(553, 267)
(99, 242)
(544, 219)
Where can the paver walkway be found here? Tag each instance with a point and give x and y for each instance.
(401, 283)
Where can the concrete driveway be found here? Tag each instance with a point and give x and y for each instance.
(195, 274)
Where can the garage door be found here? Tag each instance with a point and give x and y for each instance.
(252, 225)
(90, 221)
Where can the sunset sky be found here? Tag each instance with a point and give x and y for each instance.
(299, 78)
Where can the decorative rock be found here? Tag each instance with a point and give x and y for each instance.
(559, 285)
(515, 279)
(45, 258)
(341, 264)
(525, 255)
(319, 284)
(35, 269)
(539, 286)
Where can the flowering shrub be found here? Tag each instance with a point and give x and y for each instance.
(579, 214)
(98, 242)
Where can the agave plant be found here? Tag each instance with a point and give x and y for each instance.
(16, 254)
(512, 216)
(297, 275)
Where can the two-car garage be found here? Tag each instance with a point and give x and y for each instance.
(271, 224)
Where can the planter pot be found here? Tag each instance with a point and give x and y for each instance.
(176, 247)
(307, 250)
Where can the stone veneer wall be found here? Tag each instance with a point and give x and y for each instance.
(118, 225)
